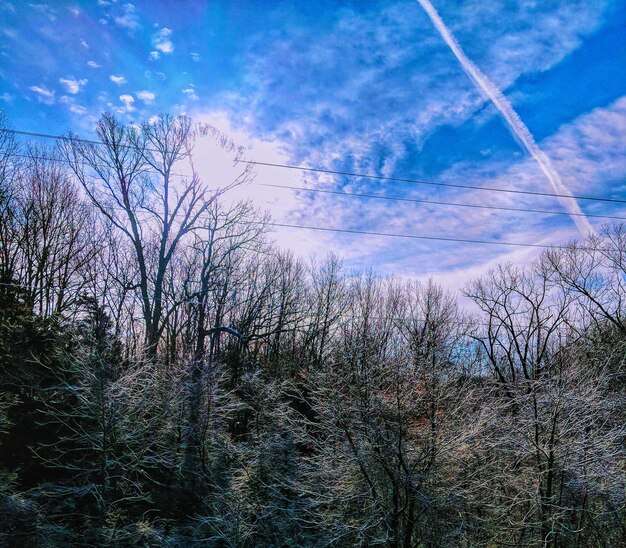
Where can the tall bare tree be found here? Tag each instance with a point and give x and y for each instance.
(547, 411)
(133, 178)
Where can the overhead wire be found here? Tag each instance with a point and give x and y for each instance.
(418, 237)
(355, 231)
(352, 194)
(436, 202)
(346, 173)
(80, 162)
(435, 183)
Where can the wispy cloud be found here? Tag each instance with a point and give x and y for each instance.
(127, 100)
(117, 79)
(513, 120)
(46, 10)
(73, 106)
(129, 18)
(368, 88)
(43, 94)
(191, 93)
(72, 85)
(146, 96)
(162, 42)
(388, 101)
(589, 150)
(362, 107)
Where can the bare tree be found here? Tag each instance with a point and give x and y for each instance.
(132, 179)
(387, 406)
(209, 285)
(9, 238)
(595, 271)
(547, 412)
(45, 234)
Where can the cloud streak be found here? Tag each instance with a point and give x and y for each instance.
(117, 79)
(515, 123)
(72, 85)
(162, 41)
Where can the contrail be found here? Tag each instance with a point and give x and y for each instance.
(512, 119)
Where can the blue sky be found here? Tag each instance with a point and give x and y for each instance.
(353, 86)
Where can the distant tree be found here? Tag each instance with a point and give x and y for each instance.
(387, 410)
(9, 165)
(549, 413)
(594, 271)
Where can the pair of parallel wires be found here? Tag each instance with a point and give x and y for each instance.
(379, 178)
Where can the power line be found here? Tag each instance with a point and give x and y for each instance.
(374, 233)
(61, 137)
(80, 162)
(434, 183)
(350, 194)
(417, 237)
(436, 202)
(347, 173)
(409, 236)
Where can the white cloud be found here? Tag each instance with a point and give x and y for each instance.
(128, 101)
(73, 86)
(590, 152)
(43, 94)
(215, 166)
(73, 106)
(6, 97)
(93, 64)
(162, 41)
(195, 56)
(400, 111)
(84, 44)
(46, 10)
(154, 55)
(146, 96)
(128, 19)
(78, 109)
(191, 93)
(117, 79)
(42, 91)
(10, 33)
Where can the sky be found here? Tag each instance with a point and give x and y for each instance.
(535, 98)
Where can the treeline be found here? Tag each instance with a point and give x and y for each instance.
(170, 378)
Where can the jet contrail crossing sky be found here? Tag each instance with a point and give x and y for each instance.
(513, 120)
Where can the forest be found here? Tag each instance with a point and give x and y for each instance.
(170, 377)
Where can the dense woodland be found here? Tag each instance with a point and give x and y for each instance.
(169, 377)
